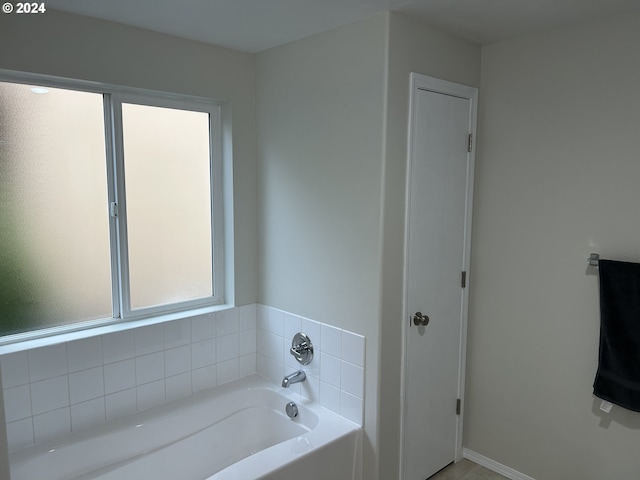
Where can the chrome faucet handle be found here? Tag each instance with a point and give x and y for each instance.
(299, 350)
(302, 348)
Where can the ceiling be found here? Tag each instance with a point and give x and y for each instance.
(256, 25)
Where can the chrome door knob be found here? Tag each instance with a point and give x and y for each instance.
(420, 319)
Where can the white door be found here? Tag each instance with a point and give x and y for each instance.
(438, 226)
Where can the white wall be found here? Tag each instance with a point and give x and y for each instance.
(320, 116)
(79, 47)
(413, 47)
(557, 178)
(332, 133)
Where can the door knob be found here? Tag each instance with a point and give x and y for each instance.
(420, 319)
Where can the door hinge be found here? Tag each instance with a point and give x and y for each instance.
(463, 281)
(113, 209)
(458, 406)
(470, 142)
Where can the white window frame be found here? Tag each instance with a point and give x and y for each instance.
(113, 98)
(215, 177)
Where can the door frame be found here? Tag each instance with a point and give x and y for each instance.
(424, 82)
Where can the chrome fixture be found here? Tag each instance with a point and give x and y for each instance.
(594, 259)
(302, 348)
(292, 410)
(295, 377)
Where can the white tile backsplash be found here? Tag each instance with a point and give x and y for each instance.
(247, 317)
(275, 321)
(178, 386)
(313, 330)
(117, 346)
(330, 397)
(336, 373)
(227, 322)
(203, 378)
(227, 347)
(88, 414)
(247, 364)
(17, 403)
(353, 348)
(15, 369)
(53, 390)
(52, 424)
(202, 327)
(86, 385)
(149, 368)
(177, 360)
(203, 353)
(149, 339)
(227, 371)
(177, 333)
(150, 394)
(352, 379)
(84, 354)
(47, 362)
(50, 394)
(120, 403)
(270, 345)
(292, 325)
(310, 388)
(119, 376)
(351, 407)
(271, 320)
(270, 369)
(20, 433)
(262, 314)
(247, 342)
(330, 369)
(331, 340)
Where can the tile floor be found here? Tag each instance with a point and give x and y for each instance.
(466, 470)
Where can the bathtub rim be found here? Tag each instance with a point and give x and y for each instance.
(328, 428)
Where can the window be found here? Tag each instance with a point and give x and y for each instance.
(110, 206)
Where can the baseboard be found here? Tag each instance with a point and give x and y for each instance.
(494, 466)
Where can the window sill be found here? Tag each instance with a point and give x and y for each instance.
(68, 333)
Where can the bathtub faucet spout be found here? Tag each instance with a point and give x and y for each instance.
(295, 377)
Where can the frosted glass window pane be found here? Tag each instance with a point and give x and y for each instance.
(54, 225)
(167, 178)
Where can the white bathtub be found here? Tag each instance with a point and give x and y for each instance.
(238, 431)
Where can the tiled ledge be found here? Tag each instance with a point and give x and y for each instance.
(53, 390)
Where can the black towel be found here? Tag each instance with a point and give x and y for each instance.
(618, 376)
